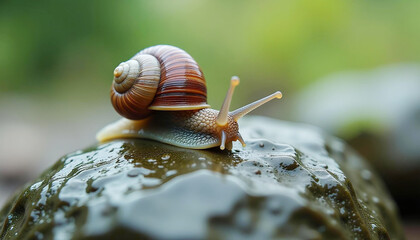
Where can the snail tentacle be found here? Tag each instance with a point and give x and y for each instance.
(240, 112)
(223, 140)
(241, 140)
(222, 117)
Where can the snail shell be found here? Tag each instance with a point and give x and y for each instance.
(163, 78)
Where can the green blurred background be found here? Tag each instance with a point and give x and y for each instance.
(57, 59)
(67, 50)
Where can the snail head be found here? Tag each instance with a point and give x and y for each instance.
(224, 115)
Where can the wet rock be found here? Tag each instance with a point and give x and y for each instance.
(290, 181)
(378, 113)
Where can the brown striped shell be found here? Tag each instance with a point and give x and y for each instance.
(163, 78)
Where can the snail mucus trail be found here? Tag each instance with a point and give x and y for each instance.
(161, 94)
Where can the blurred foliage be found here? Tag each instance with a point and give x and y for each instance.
(68, 49)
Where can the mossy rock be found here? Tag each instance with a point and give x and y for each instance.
(290, 181)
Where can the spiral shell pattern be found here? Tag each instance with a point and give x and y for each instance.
(134, 86)
(161, 77)
(182, 84)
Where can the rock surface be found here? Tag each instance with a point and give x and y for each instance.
(290, 181)
(378, 113)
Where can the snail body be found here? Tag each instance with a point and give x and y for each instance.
(161, 93)
(192, 129)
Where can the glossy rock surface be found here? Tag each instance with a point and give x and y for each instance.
(378, 113)
(290, 181)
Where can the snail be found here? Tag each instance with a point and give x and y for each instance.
(161, 93)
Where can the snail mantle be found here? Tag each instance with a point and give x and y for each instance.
(161, 93)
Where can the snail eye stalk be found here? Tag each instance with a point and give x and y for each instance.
(222, 117)
(240, 112)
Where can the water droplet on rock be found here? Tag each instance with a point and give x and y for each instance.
(150, 182)
(134, 172)
(170, 173)
(366, 174)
